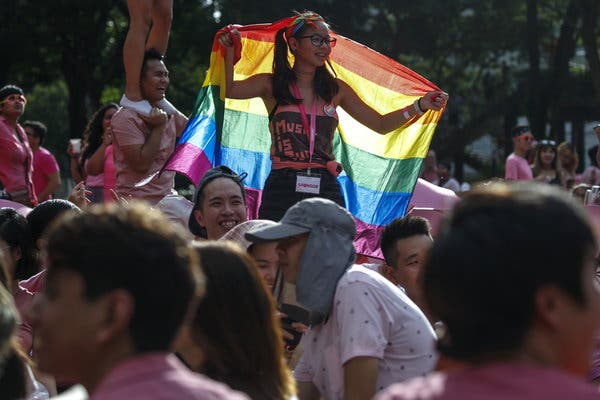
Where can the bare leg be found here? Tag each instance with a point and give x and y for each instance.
(162, 15)
(140, 22)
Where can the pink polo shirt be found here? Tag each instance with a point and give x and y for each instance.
(44, 165)
(129, 129)
(517, 169)
(16, 166)
(159, 376)
(515, 381)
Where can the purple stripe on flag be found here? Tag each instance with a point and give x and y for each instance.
(253, 199)
(191, 161)
(367, 239)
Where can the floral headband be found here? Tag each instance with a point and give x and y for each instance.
(301, 20)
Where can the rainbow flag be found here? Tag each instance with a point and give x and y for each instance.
(380, 171)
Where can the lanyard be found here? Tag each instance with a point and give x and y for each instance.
(311, 129)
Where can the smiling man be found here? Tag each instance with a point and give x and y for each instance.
(142, 145)
(369, 334)
(219, 203)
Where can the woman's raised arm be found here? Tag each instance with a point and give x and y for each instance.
(256, 86)
(366, 115)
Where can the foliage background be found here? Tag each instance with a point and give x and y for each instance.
(498, 59)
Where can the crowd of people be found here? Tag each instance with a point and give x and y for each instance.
(127, 290)
(548, 162)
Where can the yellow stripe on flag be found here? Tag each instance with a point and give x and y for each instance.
(407, 142)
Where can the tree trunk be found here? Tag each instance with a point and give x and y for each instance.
(589, 14)
(77, 77)
(535, 107)
(565, 48)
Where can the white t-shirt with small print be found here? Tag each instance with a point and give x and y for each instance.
(370, 318)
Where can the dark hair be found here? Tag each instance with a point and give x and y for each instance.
(221, 171)
(92, 135)
(132, 248)
(13, 372)
(7, 90)
(5, 275)
(592, 155)
(39, 128)
(45, 213)
(498, 247)
(14, 230)
(519, 130)
(398, 229)
(537, 160)
(150, 54)
(236, 325)
(325, 85)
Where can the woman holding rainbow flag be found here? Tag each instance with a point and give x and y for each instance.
(302, 99)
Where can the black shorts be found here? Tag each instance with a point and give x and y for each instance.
(279, 193)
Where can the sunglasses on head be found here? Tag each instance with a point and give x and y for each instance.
(547, 143)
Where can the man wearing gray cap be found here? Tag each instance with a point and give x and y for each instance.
(369, 334)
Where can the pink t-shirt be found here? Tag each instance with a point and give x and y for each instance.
(159, 376)
(515, 381)
(129, 129)
(517, 168)
(370, 318)
(44, 165)
(110, 174)
(16, 160)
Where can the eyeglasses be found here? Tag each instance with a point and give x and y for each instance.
(320, 41)
(547, 143)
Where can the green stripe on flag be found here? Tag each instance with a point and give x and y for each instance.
(375, 172)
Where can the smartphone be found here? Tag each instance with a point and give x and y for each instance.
(294, 314)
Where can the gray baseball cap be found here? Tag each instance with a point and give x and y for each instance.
(305, 215)
(328, 253)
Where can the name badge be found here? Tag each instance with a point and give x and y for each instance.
(306, 183)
